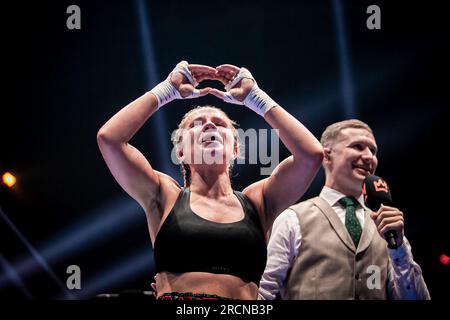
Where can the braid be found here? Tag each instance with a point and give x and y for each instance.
(186, 175)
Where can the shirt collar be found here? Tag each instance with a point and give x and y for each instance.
(333, 196)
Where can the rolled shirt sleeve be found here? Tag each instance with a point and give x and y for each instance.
(405, 275)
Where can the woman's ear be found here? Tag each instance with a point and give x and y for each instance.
(180, 155)
(235, 151)
(326, 154)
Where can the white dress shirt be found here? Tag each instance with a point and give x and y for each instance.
(405, 276)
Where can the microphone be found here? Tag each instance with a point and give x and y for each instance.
(376, 192)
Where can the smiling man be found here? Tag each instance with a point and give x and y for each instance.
(331, 246)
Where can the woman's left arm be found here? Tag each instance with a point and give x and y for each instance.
(291, 178)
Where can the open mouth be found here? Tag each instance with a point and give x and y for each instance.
(363, 169)
(210, 143)
(211, 139)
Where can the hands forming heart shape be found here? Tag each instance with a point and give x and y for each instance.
(241, 88)
(225, 73)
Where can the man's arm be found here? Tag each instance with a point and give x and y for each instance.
(405, 281)
(282, 250)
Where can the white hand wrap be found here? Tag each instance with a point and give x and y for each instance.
(257, 99)
(166, 91)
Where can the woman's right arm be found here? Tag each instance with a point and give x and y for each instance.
(129, 167)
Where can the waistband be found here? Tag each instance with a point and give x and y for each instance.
(190, 296)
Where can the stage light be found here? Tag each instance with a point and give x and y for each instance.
(444, 259)
(347, 91)
(9, 179)
(151, 73)
(137, 264)
(40, 260)
(97, 225)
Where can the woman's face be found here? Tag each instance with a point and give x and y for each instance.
(207, 139)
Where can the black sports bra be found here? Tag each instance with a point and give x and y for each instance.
(187, 242)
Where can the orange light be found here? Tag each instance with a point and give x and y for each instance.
(9, 179)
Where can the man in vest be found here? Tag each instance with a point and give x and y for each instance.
(331, 246)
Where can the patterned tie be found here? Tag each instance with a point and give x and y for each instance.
(351, 222)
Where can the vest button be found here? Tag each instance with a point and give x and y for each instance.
(357, 276)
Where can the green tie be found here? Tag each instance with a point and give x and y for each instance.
(351, 222)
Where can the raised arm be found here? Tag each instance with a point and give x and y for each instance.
(127, 164)
(129, 167)
(292, 176)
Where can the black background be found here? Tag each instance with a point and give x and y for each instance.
(59, 86)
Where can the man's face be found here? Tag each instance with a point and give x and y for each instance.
(352, 157)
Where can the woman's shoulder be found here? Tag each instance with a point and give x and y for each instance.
(168, 191)
(167, 181)
(254, 193)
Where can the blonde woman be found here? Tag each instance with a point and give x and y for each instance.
(209, 240)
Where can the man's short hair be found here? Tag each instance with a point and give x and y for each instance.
(333, 131)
